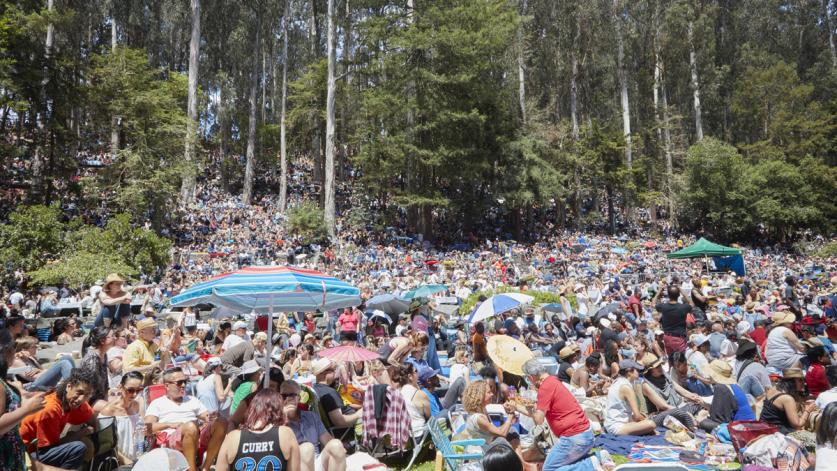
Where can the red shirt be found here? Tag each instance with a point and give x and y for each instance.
(47, 424)
(815, 378)
(563, 413)
(759, 336)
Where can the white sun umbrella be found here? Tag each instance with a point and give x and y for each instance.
(498, 304)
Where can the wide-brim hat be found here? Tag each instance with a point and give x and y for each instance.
(249, 366)
(792, 373)
(568, 351)
(745, 347)
(721, 372)
(146, 323)
(650, 361)
(783, 317)
(113, 278)
(320, 365)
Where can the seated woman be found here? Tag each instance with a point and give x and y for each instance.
(250, 376)
(398, 348)
(729, 402)
(62, 331)
(622, 414)
(590, 378)
(33, 376)
(663, 395)
(127, 411)
(782, 402)
(827, 437)
(783, 349)
(474, 400)
(815, 377)
(405, 377)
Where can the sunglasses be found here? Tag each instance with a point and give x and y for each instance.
(181, 382)
(289, 395)
(133, 390)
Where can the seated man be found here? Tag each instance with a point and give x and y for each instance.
(41, 432)
(174, 420)
(340, 415)
(318, 450)
(139, 355)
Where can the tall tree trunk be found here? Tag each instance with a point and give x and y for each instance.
(695, 82)
(574, 117)
(661, 106)
(247, 195)
(521, 65)
(330, 204)
(316, 137)
(410, 164)
(39, 163)
(827, 9)
(264, 84)
(187, 188)
(623, 83)
(114, 120)
(283, 150)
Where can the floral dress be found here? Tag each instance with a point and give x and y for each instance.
(11, 445)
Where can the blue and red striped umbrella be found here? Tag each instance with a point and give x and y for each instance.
(271, 289)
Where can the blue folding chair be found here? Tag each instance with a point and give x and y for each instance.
(445, 446)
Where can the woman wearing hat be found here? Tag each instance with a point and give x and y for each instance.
(250, 375)
(662, 393)
(783, 349)
(729, 402)
(568, 355)
(210, 389)
(115, 301)
(782, 403)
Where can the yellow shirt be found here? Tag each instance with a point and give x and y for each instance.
(138, 354)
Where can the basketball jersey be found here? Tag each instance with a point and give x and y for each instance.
(259, 452)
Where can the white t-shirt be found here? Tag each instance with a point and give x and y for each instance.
(699, 363)
(94, 291)
(168, 411)
(827, 397)
(458, 370)
(231, 341)
(15, 298)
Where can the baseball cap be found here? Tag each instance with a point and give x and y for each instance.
(628, 364)
(213, 361)
(698, 339)
(239, 325)
(425, 374)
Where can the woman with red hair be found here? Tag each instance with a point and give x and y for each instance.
(263, 439)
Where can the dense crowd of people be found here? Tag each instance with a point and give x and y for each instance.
(629, 343)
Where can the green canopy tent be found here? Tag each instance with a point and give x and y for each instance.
(704, 248)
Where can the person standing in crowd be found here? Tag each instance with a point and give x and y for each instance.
(479, 347)
(42, 431)
(264, 442)
(673, 315)
(349, 325)
(318, 450)
(565, 417)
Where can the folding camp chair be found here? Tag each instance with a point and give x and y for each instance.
(104, 445)
(445, 446)
(418, 445)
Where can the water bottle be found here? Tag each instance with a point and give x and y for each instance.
(139, 439)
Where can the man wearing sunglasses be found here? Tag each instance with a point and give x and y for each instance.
(318, 450)
(174, 419)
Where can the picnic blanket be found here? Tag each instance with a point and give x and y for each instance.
(622, 444)
(662, 454)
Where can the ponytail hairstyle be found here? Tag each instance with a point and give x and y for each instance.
(419, 339)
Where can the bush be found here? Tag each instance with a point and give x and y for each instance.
(50, 251)
(307, 222)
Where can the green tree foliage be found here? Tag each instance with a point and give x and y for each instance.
(145, 178)
(32, 236)
(306, 221)
(38, 242)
